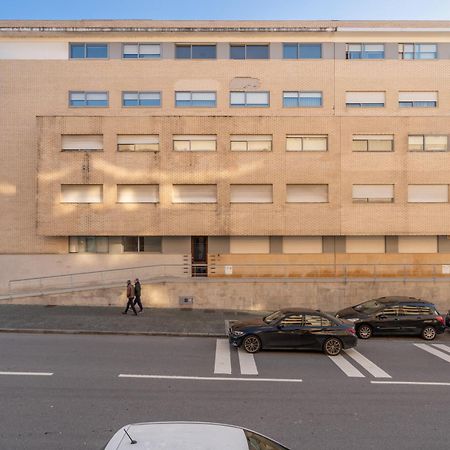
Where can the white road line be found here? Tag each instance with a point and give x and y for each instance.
(443, 347)
(178, 377)
(33, 374)
(222, 362)
(247, 363)
(418, 383)
(367, 364)
(346, 367)
(434, 351)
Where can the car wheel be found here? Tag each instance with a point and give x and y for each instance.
(364, 331)
(429, 333)
(251, 344)
(332, 346)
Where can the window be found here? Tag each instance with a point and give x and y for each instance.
(417, 244)
(427, 143)
(136, 244)
(81, 143)
(293, 320)
(306, 143)
(141, 51)
(93, 51)
(195, 51)
(251, 193)
(365, 51)
(195, 99)
(364, 99)
(194, 193)
(302, 99)
(373, 193)
(81, 193)
(302, 244)
(417, 51)
(88, 99)
(365, 244)
(417, 99)
(302, 51)
(137, 143)
(88, 244)
(195, 143)
(137, 193)
(415, 310)
(249, 245)
(428, 193)
(313, 321)
(249, 51)
(257, 143)
(141, 99)
(249, 99)
(373, 143)
(307, 193)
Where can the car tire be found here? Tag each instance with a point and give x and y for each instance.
(251, 344)
(364, 331)
(428, 333)
(332, 346)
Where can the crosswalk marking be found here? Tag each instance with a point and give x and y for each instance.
(443, 347)
(34, 374)
(222, 363)
(346, 367)
(434, 351)
(367, 364)
(247, 363)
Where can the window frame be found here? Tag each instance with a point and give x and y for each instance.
(306, 136)
(86, 44)
(85, 99)
(368, 141)
(363, 52)
(247, 142)
(140, 241)
(299, 98)
(245, 51)
(401, 51)
(191, 46)
(191, 105)
(138, 54)
(139, 93)
(367, 200)
(424, 143)
(298, 51)
(190, 143)
(246, 105)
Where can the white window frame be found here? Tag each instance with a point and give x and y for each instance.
(387, 198)
(246, 103)
(247, 140)
(190, 139)
(370, 140)
(425, 146)
(303, 138)
(139, 54)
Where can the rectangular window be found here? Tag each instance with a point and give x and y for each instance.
(141, 99)
(302, 244)
(82, 99)
(373, 193)
(256, 143)
(137, 193)
(194, 193)
(417, 51)
(249, 99)
(365, 244)
(91, 51)
(137, 143)
(141, 51)
(195, 51)
(365, 51)
(306, 143)
(364, 99)
(302, 51)
(417, 244)
(251, 193)
(81, 193)
(373, 143)
(195, 99)
(194, 143)
(88, 244)
(81, 142)
(292, 99)
(418, 99)
(249, 51)
(307, 193)
(427, 143)
(428, 193)
(137, 244)
(249, 244)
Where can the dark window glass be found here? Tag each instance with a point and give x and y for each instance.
(290, 51)
(237, 51)
(130, 243)
(293, 320)
(96, 50)
(203, 51)
(310, 51)
(151, 244)
(313, 321)
(257, 52)
(183, 51)
(77, 50)
(390, 311)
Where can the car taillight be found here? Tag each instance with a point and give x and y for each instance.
(351, 330)
(440, 319)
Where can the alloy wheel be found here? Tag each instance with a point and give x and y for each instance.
(364, 331)
(429, 333)
(332, 346)
(252, 344)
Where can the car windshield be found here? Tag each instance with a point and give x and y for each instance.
(271, 318)
(368, 307)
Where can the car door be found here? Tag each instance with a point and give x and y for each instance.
(414, 317)
(387, 321)
(288, 332)
(311, 336)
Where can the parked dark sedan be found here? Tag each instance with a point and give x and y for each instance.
(294, 328)
(395, 315)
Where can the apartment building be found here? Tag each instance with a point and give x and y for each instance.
(248, 148)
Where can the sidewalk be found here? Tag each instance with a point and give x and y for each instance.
(109, 320)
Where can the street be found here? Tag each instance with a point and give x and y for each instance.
(73, 392)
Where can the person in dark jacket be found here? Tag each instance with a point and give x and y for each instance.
(130, 297)
(137, 293)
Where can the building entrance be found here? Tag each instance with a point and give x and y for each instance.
(199, 251)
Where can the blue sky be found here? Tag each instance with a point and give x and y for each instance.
(226, 9)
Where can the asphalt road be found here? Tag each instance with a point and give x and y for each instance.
(81, 389)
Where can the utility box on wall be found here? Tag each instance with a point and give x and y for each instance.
(186, 301)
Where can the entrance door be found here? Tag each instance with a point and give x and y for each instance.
(199, 249)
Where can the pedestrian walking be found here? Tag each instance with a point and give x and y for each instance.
(137, 293)
(130, 297)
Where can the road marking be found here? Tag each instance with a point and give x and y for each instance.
(367, 364)
(222, 362)
(33, 374)
(346, 367)
(178, 377)
(247, 363)
(418, 383)
(227, 327)
(434, 351)
(443, 347)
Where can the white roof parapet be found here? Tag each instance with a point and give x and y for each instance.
(392, 29)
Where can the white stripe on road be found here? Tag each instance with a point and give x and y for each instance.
(177, 377)
(418, 383)
(222, 362)
(443, 347)
(346, 367)
(367, 364)
(434, 351)
(247, 363)
(34, 374)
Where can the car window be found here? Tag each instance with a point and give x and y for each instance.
(327, 322)
(258, 442)
(368, 307)
(273, 317)
(390, 311)
(416, 310)
(312, 321)
(293, 319)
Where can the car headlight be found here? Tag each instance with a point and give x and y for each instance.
(237, 332)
